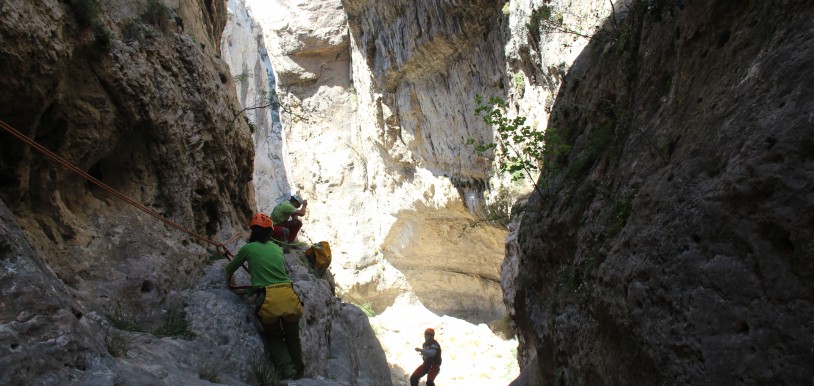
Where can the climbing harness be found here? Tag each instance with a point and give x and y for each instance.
(220, 247)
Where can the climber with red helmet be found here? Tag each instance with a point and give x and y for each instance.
(431, 354)
(286, 217)
(277, 305)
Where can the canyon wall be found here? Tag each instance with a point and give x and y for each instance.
(95, 290)
(377, 105)
(669, 242)
(673, 242)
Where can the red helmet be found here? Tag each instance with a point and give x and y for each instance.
(261, 220)
(430, 331)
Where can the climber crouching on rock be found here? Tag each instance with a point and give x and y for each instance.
(277, 305)
(431, 354)
(286, 217)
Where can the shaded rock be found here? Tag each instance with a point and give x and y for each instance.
(674, 246)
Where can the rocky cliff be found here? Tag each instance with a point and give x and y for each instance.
(673, 244)
(669, 242)
(376, 139)
(388, 127)
(96, 291)
(382, 162)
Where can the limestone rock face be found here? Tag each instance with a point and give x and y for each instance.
(136, 97)
(54, 339)
(372, 154)
(418, 67)
(674, 246)
(244, 49)
(395, 200)
(37, 314)
(376, 140)
(141, 107)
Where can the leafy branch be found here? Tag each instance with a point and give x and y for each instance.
(519, 149)
(546, 20)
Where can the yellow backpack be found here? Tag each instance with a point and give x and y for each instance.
(319, 256)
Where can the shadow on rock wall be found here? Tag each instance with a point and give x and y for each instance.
(674, 244)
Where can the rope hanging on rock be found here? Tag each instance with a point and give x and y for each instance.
(220, 247)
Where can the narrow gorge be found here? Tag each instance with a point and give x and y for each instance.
(661, 233)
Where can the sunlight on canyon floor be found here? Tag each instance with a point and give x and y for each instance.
(472, 354)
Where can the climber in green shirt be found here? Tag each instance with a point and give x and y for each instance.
(265, 264)
(286, 217)
(277, 305)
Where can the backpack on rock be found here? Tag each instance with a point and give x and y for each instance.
(319, 256)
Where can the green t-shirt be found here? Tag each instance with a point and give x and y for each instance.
(282, 212)
(266, 263)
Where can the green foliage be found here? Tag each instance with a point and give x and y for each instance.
(149, 32)
(540, 17)
(367, 308)
(603, 138)
(555, 150)
(118, 343)
(174, 324)
(623, 39)
(122, 319)
(498, 209)
(519, 148)
(101, 35)
(210, 371)
(598, 141)
(135, 30)
(575, 280)
(620, 213)
(132, 31)
(506, 8)
(519, 80)
(156, 13)
(547, 20)
(243, 77)
(262, 371)
(354, 96)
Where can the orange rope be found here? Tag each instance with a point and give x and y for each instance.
(220, 247)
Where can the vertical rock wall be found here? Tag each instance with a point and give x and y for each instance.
(96, 292)
(674, 246)
(244, 49)
(136, 97)
(373, 144)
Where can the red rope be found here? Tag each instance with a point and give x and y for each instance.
(22, 137)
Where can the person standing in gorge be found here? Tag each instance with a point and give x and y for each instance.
(431, 354)
(277, 305)
(286, 218)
